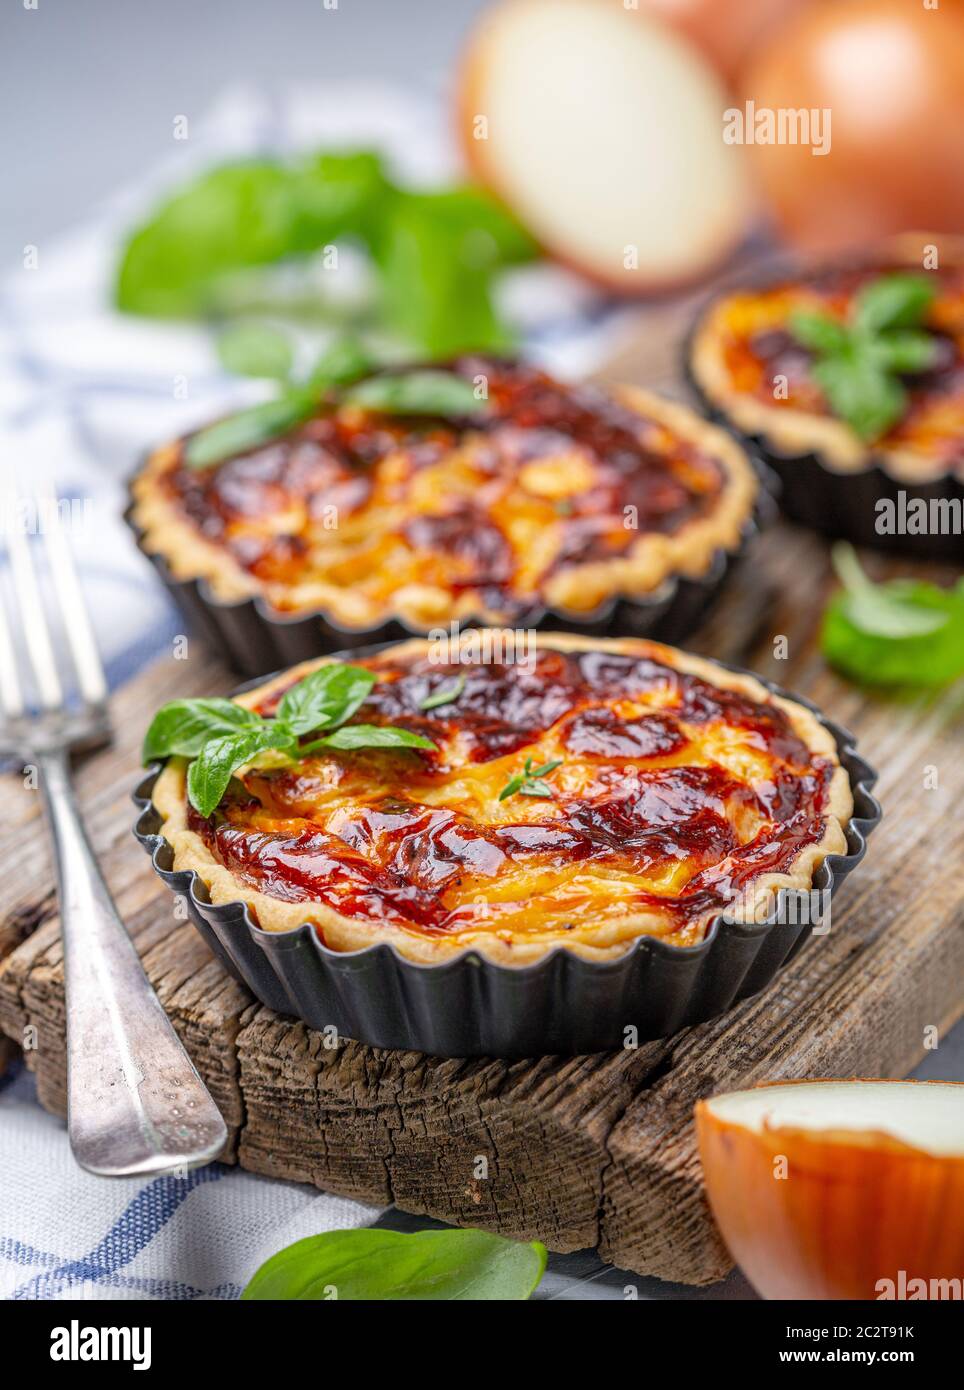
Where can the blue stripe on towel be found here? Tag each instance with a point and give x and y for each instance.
(135, 1228)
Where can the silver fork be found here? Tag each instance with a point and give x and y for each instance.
(135, 1101)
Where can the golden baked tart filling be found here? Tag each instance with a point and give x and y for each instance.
(765, 358)
(546, 495)
(591, 793)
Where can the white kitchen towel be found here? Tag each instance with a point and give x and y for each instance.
(83, 392)
(65, 1234)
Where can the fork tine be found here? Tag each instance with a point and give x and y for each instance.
(11, 696)
(80, 635)
(35, 630)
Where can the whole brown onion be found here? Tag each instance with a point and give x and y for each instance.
(891, 74)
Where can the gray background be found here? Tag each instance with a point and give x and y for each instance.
(88, 93)
(90, 87)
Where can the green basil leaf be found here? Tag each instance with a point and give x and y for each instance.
(859, 363)
(529, 782)
(535, 787)
(934, 657)
(343, 195)
(240, 215)
(482, 231)
(343, 361)
(256, 349)
(545, 769)
(901, 632)
(328, 696)
(879, 609)
(904, 351)
(184, 726)
(424, 392)
(514, 784)
(210, 772)
(445, 695)
(248, 429)
(885, 611)
(818, 332)
(372, 736)
(893, 301)
(367, 1265)
(861, 393)
(437, 273)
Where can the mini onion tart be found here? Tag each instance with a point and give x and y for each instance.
(585, 794)
(756, 375)
(550, 496)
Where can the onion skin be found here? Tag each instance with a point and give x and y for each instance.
(724, 33)
(854, 1209)
(892, 75)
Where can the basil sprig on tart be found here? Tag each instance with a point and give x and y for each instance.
(859, 361)
(221, 736)
(531, 780)
(337, 378)
(446, 695)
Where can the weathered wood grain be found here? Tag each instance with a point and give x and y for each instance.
(580, 1151)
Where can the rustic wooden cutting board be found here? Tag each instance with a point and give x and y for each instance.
(586, 1151)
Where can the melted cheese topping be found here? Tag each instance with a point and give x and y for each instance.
(672, 797)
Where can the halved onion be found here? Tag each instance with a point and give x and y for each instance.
(602, 129)
(840, 1189)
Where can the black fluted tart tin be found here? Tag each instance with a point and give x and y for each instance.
(842, 505)
(256, 639)
(471, 1007)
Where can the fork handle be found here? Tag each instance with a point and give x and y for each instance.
(135, 1103)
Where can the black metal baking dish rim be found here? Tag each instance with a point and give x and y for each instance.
(833, 869)
(634, 613)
